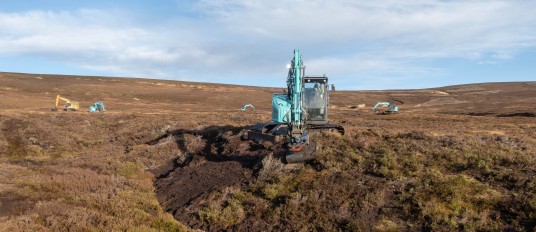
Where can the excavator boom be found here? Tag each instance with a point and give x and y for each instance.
(391, 107)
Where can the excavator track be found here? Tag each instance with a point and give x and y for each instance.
(324, 127)
(277, 132)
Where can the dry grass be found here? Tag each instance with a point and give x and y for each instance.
(402, 173)
(390, 173)
(66, 175)
(439, 168)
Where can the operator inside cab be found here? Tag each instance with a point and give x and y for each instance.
(314, 101)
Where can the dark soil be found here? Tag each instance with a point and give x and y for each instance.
(183, 191)
(222, 160)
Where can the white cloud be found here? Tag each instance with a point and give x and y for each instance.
(96, 39)
(465, 26)
(229, 39)
(383, 39)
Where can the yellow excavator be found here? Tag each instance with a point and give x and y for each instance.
(69, 105)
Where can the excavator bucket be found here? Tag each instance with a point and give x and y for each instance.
(305, 154)
(271, 132)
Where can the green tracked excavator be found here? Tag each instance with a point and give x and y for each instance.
(297, 114)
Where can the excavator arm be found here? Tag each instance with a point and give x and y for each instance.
(69, 105)
(380, 104)
(391, 107)
(300, 147)
(58, 98)
(295, 82)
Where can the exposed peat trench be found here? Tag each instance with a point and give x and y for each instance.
(221, 160)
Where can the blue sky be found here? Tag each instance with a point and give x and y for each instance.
(385, 44)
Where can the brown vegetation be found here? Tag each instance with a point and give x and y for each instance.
(174, 160)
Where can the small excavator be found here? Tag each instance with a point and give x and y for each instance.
(391, 107)
(297, 114)
(97, 107)
(69, 105)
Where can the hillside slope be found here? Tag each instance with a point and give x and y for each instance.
(169, 156)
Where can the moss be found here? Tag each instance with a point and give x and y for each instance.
(271, 191)
(456, 201)
(231, 214)
(387, 164)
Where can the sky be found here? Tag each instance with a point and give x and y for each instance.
(358, 44)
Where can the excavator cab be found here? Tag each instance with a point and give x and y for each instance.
(315, 101)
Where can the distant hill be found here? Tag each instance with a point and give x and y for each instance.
(38, 91)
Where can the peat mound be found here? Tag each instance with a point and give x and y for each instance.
(214, 160)
(184, 191)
